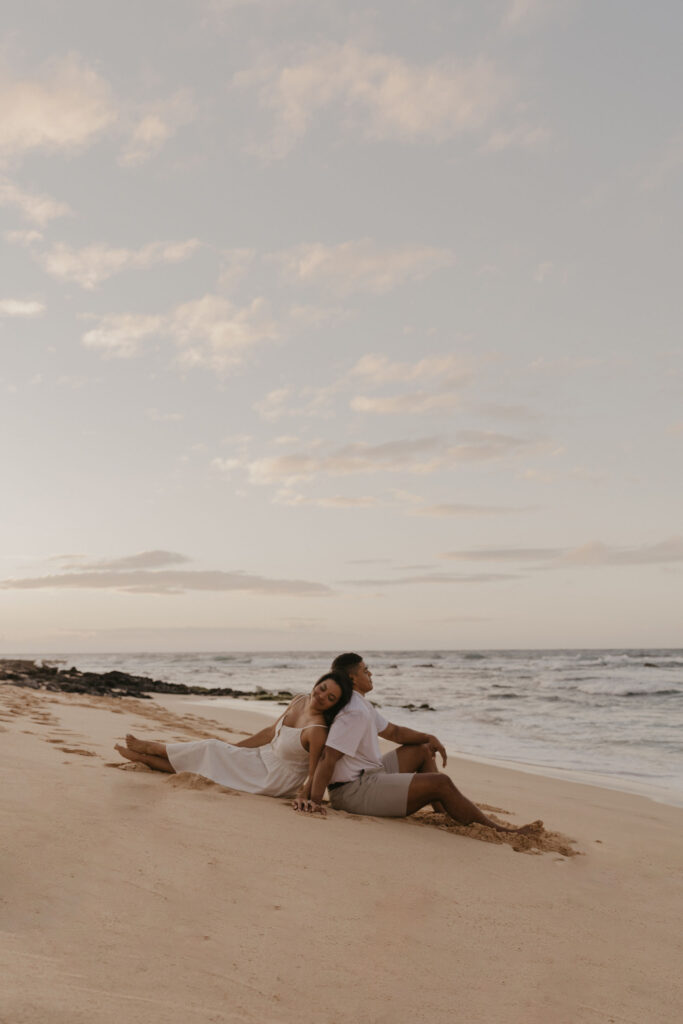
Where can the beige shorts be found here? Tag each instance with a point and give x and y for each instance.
(382, 793)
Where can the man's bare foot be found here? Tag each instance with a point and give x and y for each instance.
(523, 830)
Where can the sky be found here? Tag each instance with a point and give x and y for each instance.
(340, 325)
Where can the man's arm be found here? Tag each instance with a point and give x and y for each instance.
(401, 734)
(323, 774)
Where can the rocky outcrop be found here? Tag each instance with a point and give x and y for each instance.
(44, 676)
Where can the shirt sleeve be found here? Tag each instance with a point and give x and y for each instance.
(380, 722)
(346, 732)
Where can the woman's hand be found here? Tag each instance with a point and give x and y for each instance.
(301, 803)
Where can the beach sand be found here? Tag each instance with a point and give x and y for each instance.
(134, 897)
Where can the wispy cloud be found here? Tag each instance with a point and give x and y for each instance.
(435, 578)
(91, 265)
(415, 402)
(423, 455)
(21, 307)
(209, 332)
(120, 334)
(155, 559)
(379, 369)
(139, 574)
(38, 208)
(521, 11)
(360, 266)
(64, 107)
(594, 553)
(462, 509)
(155, 127)
(449, 373)
(382, 95)
(665, 166)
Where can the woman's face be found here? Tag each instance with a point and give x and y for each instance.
(325, 695)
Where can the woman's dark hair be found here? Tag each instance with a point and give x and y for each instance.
(343, 662)
(346, 687)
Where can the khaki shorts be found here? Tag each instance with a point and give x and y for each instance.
(382, 793)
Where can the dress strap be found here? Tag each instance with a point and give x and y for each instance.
(281, 721)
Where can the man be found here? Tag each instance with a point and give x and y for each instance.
(361, 781)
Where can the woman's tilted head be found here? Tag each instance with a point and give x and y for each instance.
(330, 694)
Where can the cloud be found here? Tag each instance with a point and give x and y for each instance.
(155, 127)
(384, 96)
(133, 575)
(380, 369)
(505, 554)
(360, 266)
(234, 265)
(415, 402)
(23, 237)
(435, 578)
(519, 11)
(40, 209)
(665, 167)
(63, 108)
(594, 553)
(451, 372)
(423, 455)
(93, 264)
(164, 417)
(213, 333)
(523, 136)
(462, 509)
(333, 501)
(209, 332)
(120, 334)
(145, 560)
(21, 307)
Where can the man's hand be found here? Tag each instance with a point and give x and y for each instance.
(437, 747)
(308, 807)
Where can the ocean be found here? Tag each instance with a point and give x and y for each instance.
(610, 717)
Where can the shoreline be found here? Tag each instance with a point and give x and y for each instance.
(165, 899)
(587, 778)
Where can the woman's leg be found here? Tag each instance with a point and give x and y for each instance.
(145, 746)
(160, 764)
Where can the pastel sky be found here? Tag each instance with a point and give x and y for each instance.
(340, 325)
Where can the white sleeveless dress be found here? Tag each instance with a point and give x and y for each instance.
(276, 769)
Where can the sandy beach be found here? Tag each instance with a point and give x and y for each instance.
(134, 897)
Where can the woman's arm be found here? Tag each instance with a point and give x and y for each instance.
(316, 742)
(259, 739)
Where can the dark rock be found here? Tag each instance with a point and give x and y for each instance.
(115, 683)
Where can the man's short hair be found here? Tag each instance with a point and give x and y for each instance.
(344, 662)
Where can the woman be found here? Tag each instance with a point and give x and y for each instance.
(278, 761)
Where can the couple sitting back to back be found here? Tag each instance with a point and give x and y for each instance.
(326, 740)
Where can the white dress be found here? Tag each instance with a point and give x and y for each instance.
(276, 769)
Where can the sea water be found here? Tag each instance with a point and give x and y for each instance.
(611, 717)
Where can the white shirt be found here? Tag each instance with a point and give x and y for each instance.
(354, 733)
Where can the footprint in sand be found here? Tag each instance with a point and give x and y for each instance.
(77, 750)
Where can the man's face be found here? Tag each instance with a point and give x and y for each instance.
(362, 678)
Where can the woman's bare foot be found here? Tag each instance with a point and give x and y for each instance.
(130, 755)
(160, 763)
(145, 746)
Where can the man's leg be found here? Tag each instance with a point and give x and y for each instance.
(426, 788)
(418, 757)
